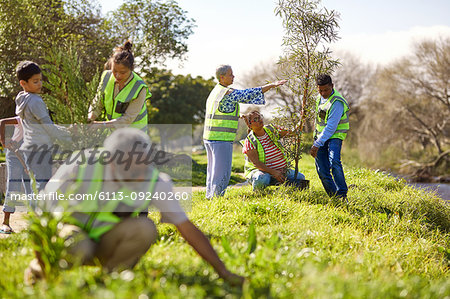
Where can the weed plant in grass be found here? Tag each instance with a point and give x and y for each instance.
(390, 241)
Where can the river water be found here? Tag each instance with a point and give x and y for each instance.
(442, 190)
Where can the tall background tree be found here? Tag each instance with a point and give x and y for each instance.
(68, 95)
(180, 99)
(31, 29)
(352, 78)
(177, 99)
(308, 27)
(159, 29)
(407, 115)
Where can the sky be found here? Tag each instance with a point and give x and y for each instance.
(245, 33)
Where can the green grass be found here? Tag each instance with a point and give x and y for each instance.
(199, 169)
(390, 241)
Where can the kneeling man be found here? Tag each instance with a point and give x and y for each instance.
(266, 163)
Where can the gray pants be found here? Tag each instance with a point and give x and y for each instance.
(220, 155)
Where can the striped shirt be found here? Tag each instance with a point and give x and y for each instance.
(274, 156)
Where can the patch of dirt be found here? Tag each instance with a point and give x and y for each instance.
(203, 188)
(17, 220)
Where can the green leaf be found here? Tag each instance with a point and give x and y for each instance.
(251, 238)
(274, 241)
(226, 246)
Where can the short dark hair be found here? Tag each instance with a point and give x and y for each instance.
(123, 55)
(323, 79)
(27, 69)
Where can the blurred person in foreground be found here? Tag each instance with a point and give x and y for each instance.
(332, 125)
(265, 162)
(221, 123)
(116, 234)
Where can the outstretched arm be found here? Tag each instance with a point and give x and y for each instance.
(201, 244)
(269, 86)
(253, 96)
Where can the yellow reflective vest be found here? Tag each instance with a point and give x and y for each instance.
(116, 107)
(96, 217)
(219, 126)
(322, 114)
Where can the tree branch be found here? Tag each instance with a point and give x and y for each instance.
(435, 137)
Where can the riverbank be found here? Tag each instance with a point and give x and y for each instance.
(441, 190)
(390, 241)
(440, 187)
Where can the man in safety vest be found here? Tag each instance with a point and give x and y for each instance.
(266, 163)
(221, 123)
(113, 228)
(332, 125)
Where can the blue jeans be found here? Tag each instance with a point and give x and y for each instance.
(17, 178)
(219, 154)
(40, 163)
(260, 179)
(329, 168)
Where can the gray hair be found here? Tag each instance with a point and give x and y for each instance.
(222, 70)
(127, 140)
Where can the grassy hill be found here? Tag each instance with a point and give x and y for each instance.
(390, 241)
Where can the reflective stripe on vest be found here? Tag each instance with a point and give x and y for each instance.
(101, 222)
(322, 112)
(126, 95)
(219, 126)
(274, 135)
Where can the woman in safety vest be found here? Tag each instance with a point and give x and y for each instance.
(123, 93)
(221, 123)
(265, 162)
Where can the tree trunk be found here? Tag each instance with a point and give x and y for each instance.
(7, 107)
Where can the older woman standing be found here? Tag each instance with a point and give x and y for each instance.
(123, 92)
(221, 122)
(266, 163)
